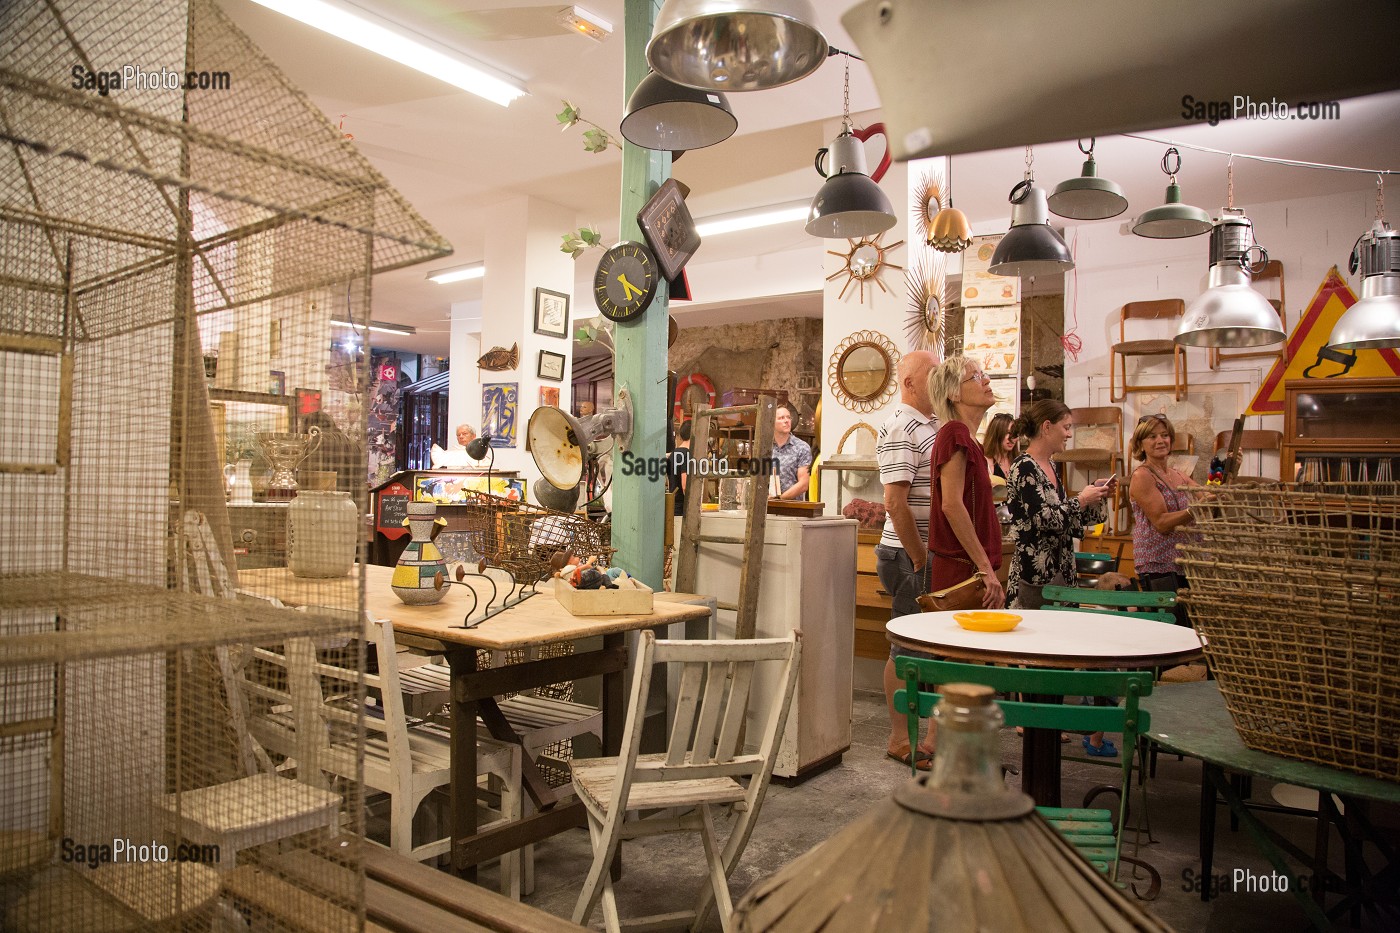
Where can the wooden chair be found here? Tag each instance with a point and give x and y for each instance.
(1273, 269)
(1095, 833)
(1105, 424)
(304, 708)
(700, 769)
(1253, 439)
(1155, 606)
(1164, 309)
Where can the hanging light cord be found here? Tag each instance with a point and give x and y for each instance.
(1071, 341)
(1270, 159)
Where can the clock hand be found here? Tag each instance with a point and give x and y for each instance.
(627, 287)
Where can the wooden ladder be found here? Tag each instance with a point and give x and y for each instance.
(746, 609)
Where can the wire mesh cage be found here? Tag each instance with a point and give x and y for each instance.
(1294, 590)
(180, 229)
(521, 538)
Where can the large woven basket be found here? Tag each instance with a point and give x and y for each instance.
(1297, 592)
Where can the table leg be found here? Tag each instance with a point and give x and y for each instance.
(1040, 760)
(1207, 829)
(463, 756)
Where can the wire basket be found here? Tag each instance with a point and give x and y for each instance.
(521, 538)
(1295, 591)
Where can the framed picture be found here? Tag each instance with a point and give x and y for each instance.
(308, 402)
(500, 402)
(277, 383)
(551, 366)
(551, 313)
(549, 395)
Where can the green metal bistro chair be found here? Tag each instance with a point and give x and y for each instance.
(1155, 606)
(1094, 833)
(1088, 567)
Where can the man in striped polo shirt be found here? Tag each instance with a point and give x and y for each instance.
(901, 557)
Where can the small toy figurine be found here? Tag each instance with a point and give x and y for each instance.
(582, 575)
(1216, 476)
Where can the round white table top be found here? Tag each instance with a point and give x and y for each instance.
(1051, 636)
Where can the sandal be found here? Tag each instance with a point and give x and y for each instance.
(923, 760)
(1106, 750)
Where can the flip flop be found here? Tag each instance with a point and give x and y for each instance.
(923, 761)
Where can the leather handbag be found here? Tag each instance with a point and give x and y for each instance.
(965, 595)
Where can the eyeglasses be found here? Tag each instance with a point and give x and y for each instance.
(1155, 416)
(979, 377)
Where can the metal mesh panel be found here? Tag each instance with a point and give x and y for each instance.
(171, 260)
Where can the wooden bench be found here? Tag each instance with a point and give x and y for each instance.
(299, 890)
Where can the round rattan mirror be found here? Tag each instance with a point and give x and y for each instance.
(861, 373)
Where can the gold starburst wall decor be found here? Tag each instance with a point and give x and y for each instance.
(928, 198)
(930, 295)
(863, 262)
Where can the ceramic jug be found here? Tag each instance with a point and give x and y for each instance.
(420, 578)
(322, 534)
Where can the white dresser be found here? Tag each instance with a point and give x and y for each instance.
(808, 583)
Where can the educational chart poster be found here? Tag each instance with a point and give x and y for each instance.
(992, 338)
(979, 287)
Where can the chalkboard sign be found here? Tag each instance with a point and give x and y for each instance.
(392, 510)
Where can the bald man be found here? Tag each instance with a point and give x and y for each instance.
(901, 557)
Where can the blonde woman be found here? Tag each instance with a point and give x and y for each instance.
(964, 534)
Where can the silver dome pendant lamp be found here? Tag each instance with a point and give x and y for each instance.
(1031, 247)
(1374, 321)
(736, 45)
(1230, 313)
(849, 203)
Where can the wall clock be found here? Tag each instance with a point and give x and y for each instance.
(864, 261)
(625, 282)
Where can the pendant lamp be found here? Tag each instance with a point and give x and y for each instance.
(1374, 321)
(736, 45)
(955, 849)
(1088, 197)
(664, 115)
(1173, 220)
(1031, 247)
(1230, 313)
(850, 203)
(949, 231)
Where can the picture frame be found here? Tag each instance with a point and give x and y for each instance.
(551, 366)
(277, 383)
(549, 395)
(500, 404)
(551, 313)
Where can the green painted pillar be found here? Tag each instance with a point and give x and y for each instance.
(639, 503)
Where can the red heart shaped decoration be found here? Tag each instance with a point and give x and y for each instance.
(864, 135)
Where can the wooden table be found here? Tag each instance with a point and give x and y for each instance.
(1191, 720)
(1050, 638)
(538, 621)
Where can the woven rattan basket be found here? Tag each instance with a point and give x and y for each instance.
(1296, 590)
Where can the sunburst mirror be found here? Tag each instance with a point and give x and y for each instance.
(930, 297)
(863, 262)
(861, 371)
(929, 197)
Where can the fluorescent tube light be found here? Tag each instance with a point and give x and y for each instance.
(590, 24)
(752, 219)
(383, 328)
(472, 270)
(396, 43)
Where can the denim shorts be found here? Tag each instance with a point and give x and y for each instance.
(904, 584)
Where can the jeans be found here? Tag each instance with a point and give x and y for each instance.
(904, 584)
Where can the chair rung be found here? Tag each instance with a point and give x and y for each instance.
(1096, 854)
(1086, 841)
(1074, 813)
(1074, 830)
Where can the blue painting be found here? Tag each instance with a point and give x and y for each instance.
(500, 403)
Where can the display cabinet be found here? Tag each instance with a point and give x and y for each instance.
(1341, 430)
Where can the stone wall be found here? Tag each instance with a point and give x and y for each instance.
(759, 355)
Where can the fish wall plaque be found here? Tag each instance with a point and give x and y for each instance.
(499, 359)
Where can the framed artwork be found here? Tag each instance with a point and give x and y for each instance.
(551, 366)
(549, 395)
(277, 383)
(551, 313)
(308, 401)
(500, 403)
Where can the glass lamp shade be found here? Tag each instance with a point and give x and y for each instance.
(850, 205)
(1374, 321)
(1172, 220)
(736, 45)
(1088, 197)
(664, 115)
(1031, 246)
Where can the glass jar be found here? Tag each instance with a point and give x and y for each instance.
(322, 534)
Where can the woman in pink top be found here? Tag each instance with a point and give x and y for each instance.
(1160, 509)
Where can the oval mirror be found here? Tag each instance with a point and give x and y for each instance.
(864, 261)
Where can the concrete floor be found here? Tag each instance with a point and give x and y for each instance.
(661, 873)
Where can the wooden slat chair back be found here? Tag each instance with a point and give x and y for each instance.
(306, 709)
(1097, 462)
(1095, 833)
(700, 769)
(1150, 605)
(1163, 309)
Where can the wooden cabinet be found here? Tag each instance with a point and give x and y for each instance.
(1341, 430)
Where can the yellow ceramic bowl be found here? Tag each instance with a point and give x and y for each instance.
(983, 620)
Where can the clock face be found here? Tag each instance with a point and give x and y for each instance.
(625, 283)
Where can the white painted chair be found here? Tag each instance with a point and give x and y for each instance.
(699, 771)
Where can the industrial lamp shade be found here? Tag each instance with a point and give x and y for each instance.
(954, 850)
(1031, 246)
(1088, 197)
(849, 204)
(664, 115)
(1172, 220)
(1230, 313)
(736, 45)
(1374, 321)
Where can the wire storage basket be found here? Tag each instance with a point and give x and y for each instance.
(521, 538)
(1295, 590)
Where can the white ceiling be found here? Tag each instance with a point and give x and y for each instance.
(452, 154)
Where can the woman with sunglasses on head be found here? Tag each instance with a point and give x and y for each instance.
(964, 534)
(999, 445)
(1161, 512)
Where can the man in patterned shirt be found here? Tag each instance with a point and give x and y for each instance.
(901, 557)
(793, 454)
